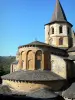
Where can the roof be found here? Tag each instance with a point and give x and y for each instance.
(70, 92)
(36, 75)
(72, 57)
(72, 49)
(44, 93)
(63, 48)
(35, 43)
(58, 14)
(15, 62)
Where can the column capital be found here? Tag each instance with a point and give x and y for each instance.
(34, 52)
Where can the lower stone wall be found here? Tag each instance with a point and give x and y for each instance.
(30, 86)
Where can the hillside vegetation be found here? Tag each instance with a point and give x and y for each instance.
(5, 62)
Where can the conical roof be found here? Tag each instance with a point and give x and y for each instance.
(58, 14)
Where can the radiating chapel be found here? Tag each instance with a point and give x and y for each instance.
(45, 65)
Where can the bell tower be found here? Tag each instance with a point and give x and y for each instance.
(58, 32)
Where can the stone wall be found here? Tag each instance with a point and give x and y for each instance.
(58, 66)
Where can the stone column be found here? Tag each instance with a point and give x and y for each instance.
(42, 62)
(34, 59)
(25, 61)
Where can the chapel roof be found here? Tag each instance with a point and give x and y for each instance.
(70, 92)
(35, 43)
(35, 75)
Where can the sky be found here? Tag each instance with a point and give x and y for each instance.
(22, 21)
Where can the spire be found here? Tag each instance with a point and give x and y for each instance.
(58, 14)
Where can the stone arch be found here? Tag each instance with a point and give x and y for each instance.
(30, 60)
(38, 59)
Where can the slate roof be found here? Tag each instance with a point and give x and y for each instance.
(72, 49)
(58, 14)
(71, 58)
(70, 92)
(44, 93)
(35, 43)
(36, 75)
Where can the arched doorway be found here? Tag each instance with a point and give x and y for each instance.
(38, 59)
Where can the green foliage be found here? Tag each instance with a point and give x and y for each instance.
(5, 63)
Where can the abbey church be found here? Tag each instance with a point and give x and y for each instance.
(49, 64)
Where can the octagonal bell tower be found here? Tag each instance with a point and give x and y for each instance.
(58, 32)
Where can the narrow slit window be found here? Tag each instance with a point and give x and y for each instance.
(60, 29)
(68, 30)
(52, 30)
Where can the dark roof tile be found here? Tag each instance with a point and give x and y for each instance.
(70, 92)
(72, 49)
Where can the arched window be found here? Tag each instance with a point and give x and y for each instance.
(52, 30)
(38, 58)
(61, 41)
(60, 29)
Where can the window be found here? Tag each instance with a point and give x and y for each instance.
(38, 60)
(60, 29)
(48, 33)
(61, 41)
(52, 30)
(68, 30)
